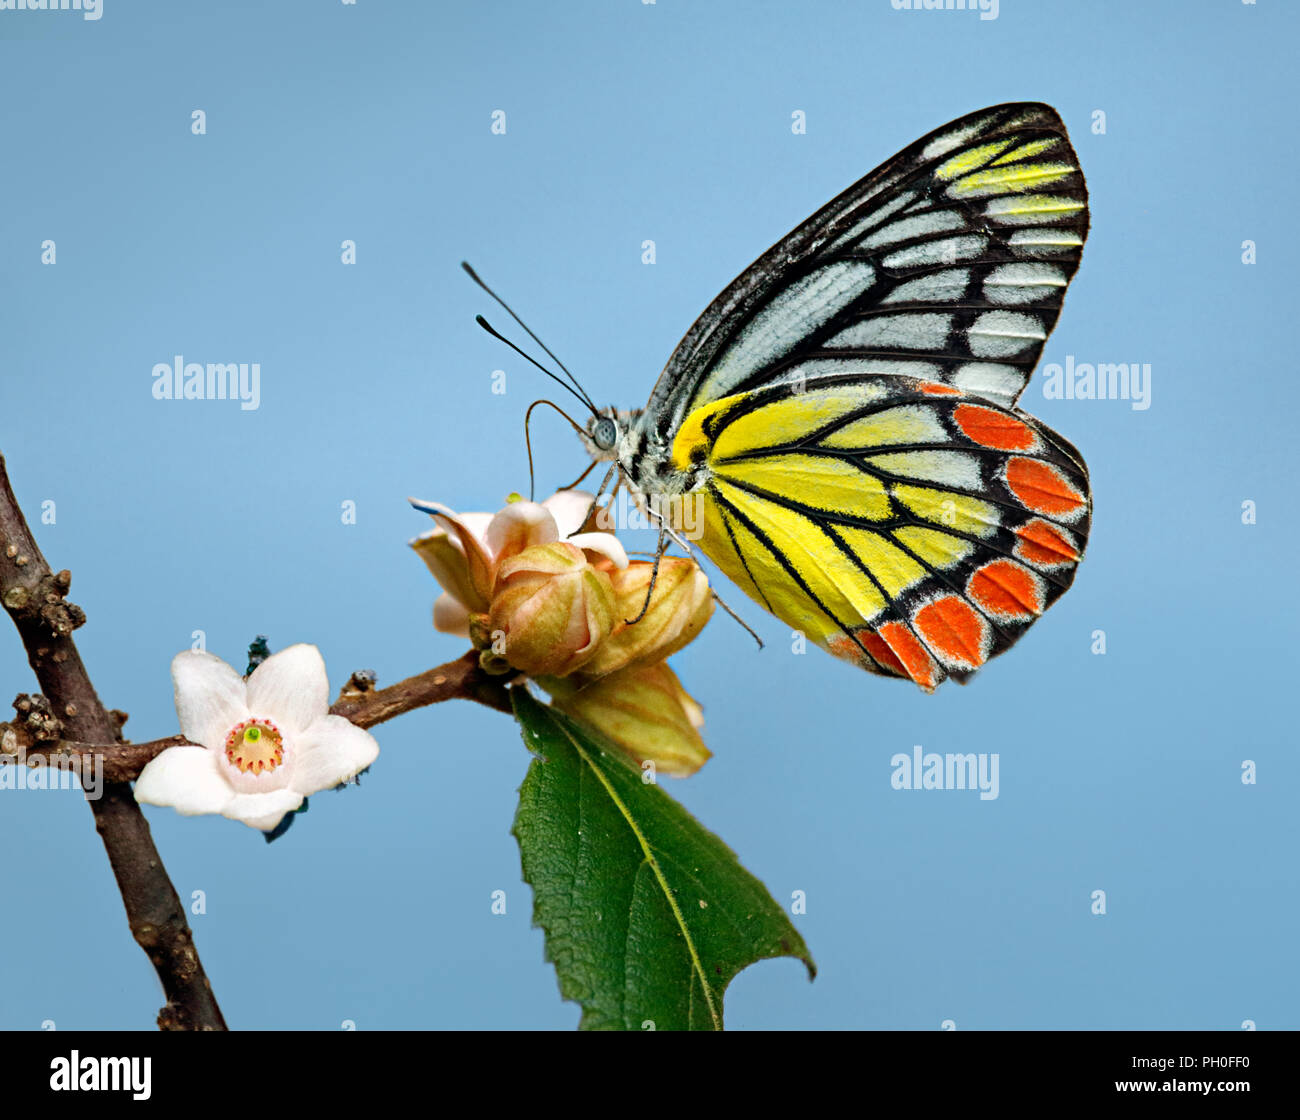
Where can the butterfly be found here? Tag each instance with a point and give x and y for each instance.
(843, 419)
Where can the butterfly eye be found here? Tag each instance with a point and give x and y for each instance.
(605, 434)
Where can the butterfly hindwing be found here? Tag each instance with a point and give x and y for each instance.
(947, 263)
(906, 525)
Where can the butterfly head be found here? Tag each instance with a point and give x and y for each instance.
(606, 433)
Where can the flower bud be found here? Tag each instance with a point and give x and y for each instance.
(678, 610)
(645, 712)
(553, 608)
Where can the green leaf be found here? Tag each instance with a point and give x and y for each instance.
(647, 915)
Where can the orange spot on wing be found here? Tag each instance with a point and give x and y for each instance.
(952, 627)
(1002, 587)
(994, 429)
(1041, 487)
(1041, 543)
(939, 389)
(910, 654)
(883, 655)
(844, 647)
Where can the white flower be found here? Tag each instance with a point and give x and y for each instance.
(466, 549)
(267, 742)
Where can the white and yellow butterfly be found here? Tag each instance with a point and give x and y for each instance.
(844, 415)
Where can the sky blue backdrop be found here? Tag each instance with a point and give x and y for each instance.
(625, 122)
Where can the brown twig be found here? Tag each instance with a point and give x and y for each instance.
(34, 599)
(122, 762)
(461, 679)
(359, 702)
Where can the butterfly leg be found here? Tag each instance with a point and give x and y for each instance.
(595, 501)
(590, 467)
(744, 625)
(654, 575)
(667, 531)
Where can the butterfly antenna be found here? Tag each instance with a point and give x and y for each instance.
(582, 393)
(529, 358)
(528, 441)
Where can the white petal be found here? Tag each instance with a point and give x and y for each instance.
(474, 523)
(570, 509)
(262, 810)
(444, 556)
(332, 751)
(209, 697)
(186, 778)
(606, 544)
(477, 524)
(520, 525)
(290, 688)
(478, 560)
(450, 615)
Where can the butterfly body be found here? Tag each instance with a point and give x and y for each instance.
(841, 427)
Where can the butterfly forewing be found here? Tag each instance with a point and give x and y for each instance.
(947, 263)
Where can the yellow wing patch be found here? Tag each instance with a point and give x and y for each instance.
(905, 424)
(789, 419)
(822, 569)
(893, 568)
(935, 547)
(957, 511)
(1015, 177)
(1027, 151)
(970, 160)
(818, 481)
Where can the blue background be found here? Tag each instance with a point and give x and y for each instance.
(625, 122)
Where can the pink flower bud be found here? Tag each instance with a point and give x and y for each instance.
(552, 609)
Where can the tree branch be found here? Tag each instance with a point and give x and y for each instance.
(461, 679)
(359, 701)
(34, 598)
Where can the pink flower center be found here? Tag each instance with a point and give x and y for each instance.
(255, 747)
